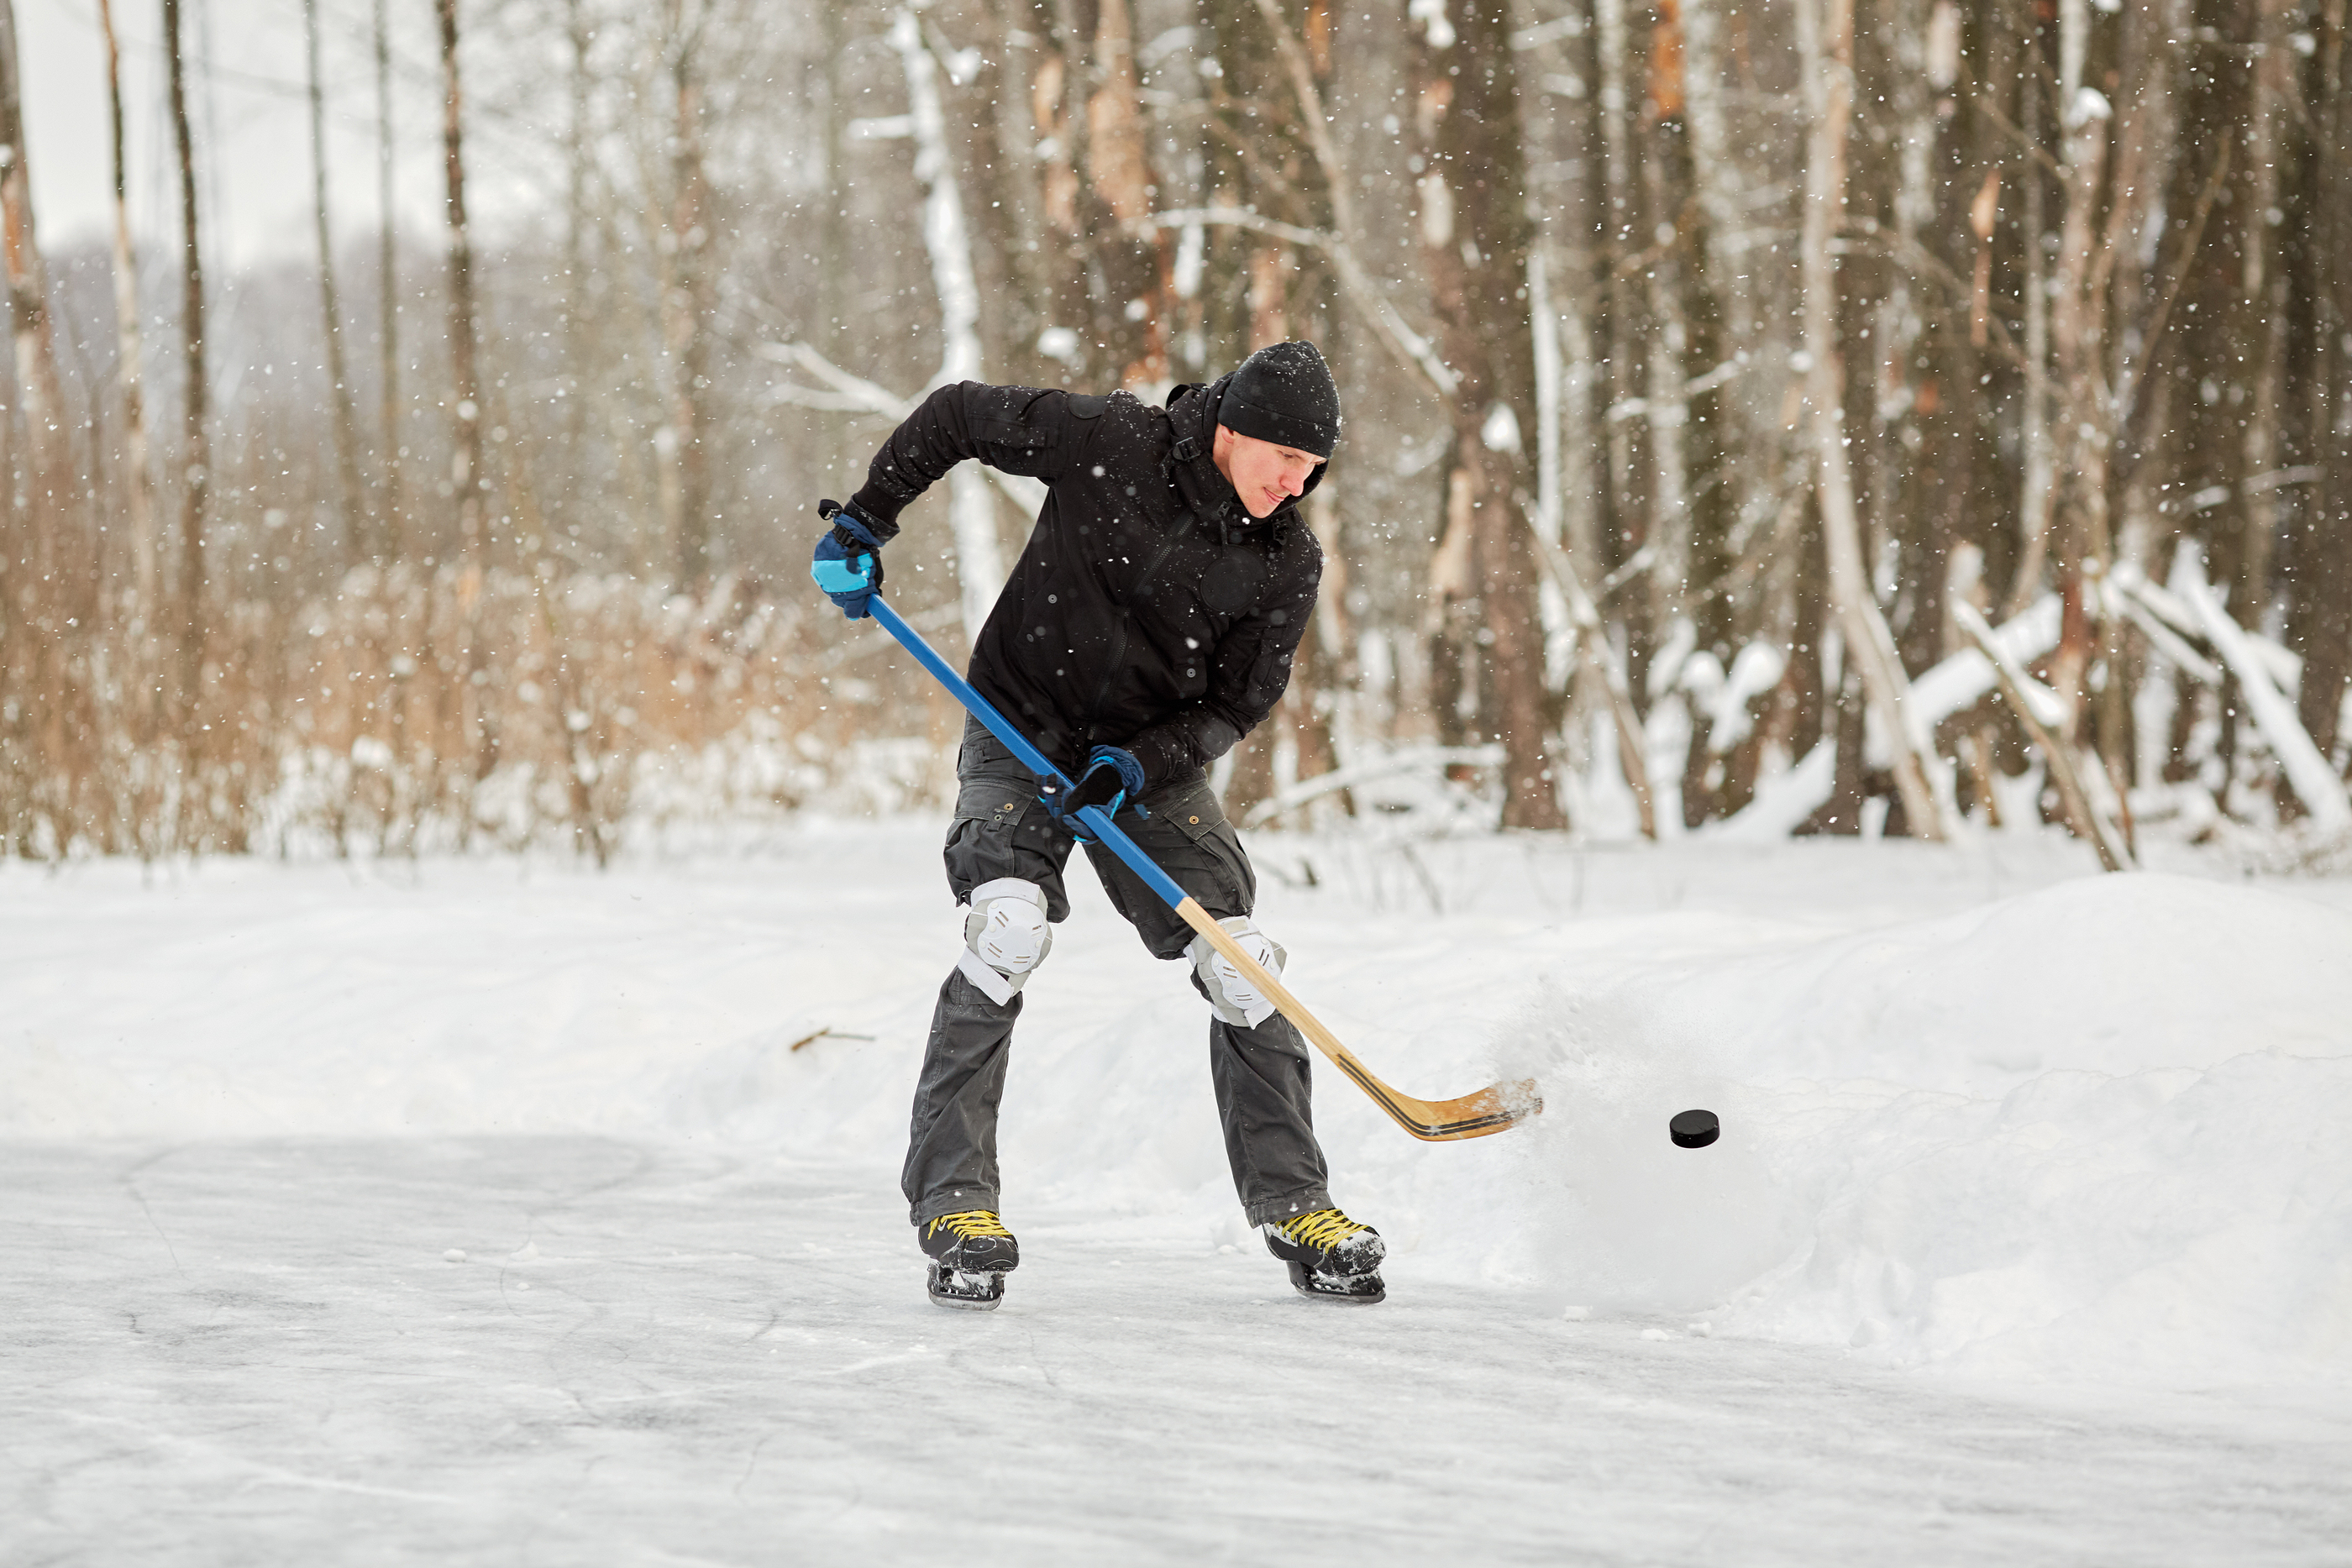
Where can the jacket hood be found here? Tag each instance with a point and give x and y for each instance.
(1192, 463)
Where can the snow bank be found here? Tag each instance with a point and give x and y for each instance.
(2093, 1129)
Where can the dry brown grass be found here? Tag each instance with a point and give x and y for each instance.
(453, 708)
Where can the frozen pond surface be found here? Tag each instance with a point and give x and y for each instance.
(2029, 1239)
(259, 1351)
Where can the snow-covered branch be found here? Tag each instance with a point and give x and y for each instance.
(2038, 710)
(2315, 783)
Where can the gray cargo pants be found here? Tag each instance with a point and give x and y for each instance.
(1003, 830)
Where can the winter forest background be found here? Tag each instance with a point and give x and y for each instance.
(1867, 418)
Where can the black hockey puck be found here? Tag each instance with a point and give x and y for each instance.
(1694, 1129)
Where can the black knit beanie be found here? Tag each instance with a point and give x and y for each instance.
(1285, 394)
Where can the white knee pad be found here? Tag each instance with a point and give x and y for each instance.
(1232, 996)
(1006, 937)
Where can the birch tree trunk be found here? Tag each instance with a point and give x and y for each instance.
(1547, 397)
(980, 558)
(130, 352)
(359, 535)
(1826, 45)
(2035, 496)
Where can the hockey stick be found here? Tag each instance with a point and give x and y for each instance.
(1490, 1110)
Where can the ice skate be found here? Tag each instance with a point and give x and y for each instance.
(1330, 1257)
(970, 1253)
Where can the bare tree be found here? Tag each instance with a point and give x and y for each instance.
(1826, 41)
(28, 286)
(2047, 307)
(2076, 330)
(195, 453)
(2321, 616)
(129, 348)
(1133, 253)
(2264, 290)
(579, 169)
(686, 298)
(1475, 235)
(388, 293)
(465, 376)
(357, 535)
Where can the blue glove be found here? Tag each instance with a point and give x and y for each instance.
(848, 563)
(1111, 776)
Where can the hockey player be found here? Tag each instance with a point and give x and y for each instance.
(1148, 626)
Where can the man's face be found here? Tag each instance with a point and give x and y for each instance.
(1265, 476)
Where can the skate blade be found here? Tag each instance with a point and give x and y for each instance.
(965, 1293)
(1347, 1290)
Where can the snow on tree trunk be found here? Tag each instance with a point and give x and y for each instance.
(1598, 661)
(2315, 783)
(1826, 45)
(2042, 713)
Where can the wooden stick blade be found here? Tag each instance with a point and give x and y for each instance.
(1491, 1109)
(1494, 1109)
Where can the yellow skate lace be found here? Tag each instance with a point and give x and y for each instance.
(1325, 1228)
(971, 1223)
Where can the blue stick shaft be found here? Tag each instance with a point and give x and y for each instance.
(1097, 821)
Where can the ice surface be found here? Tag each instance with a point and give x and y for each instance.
(231, 1353)
(484, 1210)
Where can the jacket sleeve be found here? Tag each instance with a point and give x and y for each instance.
(1020, 430)
(1251, 670)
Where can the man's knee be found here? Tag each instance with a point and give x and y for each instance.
(1006, 937)
(1232, 994)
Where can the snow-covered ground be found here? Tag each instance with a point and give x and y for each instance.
(485, 1211)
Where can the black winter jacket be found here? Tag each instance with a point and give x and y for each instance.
(1148, 610)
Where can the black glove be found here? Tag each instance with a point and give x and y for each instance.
(1111, 776)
